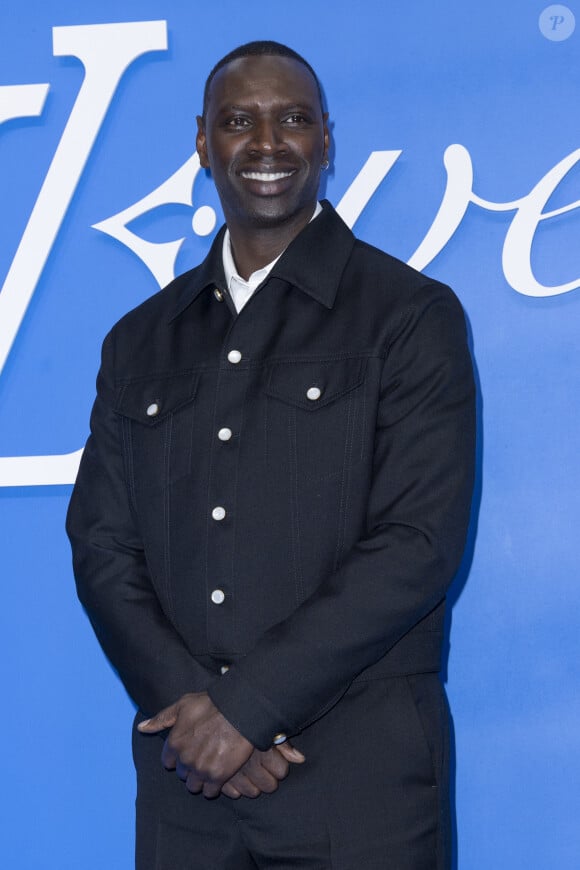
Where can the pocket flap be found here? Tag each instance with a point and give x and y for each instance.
(314, 385)
(150, 400)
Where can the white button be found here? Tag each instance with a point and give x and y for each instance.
(218, 513)
(313, 393)
(234, 356)
(218, 294)
(279, 738)
(152, 410)
(217, 596)
(224, 669)
(225, 434)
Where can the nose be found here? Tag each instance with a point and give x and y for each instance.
(267, 138)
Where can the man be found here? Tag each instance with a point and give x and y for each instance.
(269, 510)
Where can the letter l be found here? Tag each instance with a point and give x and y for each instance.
(106, 51)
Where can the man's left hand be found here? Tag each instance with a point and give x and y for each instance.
(202, 747)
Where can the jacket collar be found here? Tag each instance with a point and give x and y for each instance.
(313, 262)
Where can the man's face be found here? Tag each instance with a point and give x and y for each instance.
(264, 138)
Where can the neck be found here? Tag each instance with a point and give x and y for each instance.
(255, 246)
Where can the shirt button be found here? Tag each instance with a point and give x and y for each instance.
(313, 393)
(279, 738)
(217, 596)
(218, 294)
(225, 434)
(234, 356)
(224, 669)
(152, 410)
(218, 513)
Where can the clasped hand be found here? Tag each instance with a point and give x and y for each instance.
(211, 756)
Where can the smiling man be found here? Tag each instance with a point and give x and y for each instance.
(270, 508)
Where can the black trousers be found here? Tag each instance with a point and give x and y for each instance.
(373, 794)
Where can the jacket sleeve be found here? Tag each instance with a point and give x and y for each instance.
(110, 567)
(418, 512)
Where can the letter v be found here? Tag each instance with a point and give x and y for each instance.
(365, 184)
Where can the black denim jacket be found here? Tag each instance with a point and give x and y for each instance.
(345, 484)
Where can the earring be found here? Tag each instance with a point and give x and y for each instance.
(325, 163)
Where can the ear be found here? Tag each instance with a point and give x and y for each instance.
(326, 136)
(201, 143)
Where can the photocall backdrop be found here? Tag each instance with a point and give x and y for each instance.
(456, 147)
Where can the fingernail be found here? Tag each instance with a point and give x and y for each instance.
(298, 755)
(145, 722)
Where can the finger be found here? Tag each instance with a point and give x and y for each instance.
(263, 780)
(182, 772)
(290, 753)
(230, 791)
(259, 775)
(169, 757)
(193, 783)
(244, 786)
(164, 719)
(274, 762)
(211, 789)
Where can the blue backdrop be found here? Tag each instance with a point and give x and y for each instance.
(457, 143)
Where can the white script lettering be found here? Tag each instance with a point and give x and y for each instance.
(106, 51)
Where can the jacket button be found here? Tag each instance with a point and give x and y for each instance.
(234, 356)
(313, 393)
(152, 410)
(217, 596)
(218, 513)
(224, 669)
(218, 294)
(225, 434)
(279, 738)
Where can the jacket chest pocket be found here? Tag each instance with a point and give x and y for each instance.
(315, 419)
(158, 420)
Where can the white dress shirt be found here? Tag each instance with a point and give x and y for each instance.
(239, 289)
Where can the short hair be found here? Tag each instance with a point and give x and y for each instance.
(258, 48)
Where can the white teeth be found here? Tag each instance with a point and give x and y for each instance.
(265, 176)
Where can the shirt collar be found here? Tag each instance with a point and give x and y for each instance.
(231, 273)
(240, 289)
(259, 275)
(313, 262)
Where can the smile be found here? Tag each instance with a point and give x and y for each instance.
(266, 176)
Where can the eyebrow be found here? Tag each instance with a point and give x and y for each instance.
(282, 106)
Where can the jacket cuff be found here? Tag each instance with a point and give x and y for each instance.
(248, 711)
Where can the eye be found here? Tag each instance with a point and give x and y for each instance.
(296, 118)
(237, 121)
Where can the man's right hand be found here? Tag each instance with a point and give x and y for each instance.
(263, 771)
